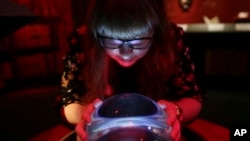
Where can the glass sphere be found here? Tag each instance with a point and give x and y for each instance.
(128, 117)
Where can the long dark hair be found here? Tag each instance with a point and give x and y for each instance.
(127, 19)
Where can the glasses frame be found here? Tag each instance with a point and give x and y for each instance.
(124, 41)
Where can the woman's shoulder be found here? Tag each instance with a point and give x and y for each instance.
(175, 26)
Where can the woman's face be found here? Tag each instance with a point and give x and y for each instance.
(127, 52)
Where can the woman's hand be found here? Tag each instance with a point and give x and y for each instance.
(172, 120)
(86, 118)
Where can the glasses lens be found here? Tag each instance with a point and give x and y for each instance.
(117, 43)
(140, 43)
(111, 43)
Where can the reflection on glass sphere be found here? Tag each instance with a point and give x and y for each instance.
(127, 105)
(131, 134)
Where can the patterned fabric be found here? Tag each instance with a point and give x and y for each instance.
(71, 84)
(184, 83)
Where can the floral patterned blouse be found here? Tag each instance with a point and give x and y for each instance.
(184, 83)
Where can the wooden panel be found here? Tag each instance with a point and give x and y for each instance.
(32, 36)
(6, 70)
(31, 66)
(4, 43)
(51, 64)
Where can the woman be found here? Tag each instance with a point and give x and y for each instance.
(133, 47)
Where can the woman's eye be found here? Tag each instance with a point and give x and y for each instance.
(113, 41)
(139, 43)
(133, 42)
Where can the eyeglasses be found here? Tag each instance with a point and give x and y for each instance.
(113, 43)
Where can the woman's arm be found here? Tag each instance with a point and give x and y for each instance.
(190, 109)
(69, 102)
(188, 91)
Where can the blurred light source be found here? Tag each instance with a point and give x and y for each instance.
(243, 14)
(185, 4)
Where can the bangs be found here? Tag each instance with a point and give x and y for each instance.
(124, 31)
(125, 19)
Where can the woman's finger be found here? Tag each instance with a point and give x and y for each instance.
(175, 133)
(178, 138)
(170, 109)
(89, 110)
(80, 130)
(86, 117)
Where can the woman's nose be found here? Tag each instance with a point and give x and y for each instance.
(125, 50)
